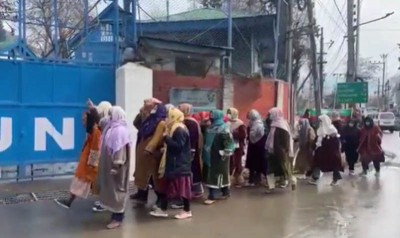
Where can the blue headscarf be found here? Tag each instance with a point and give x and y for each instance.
(217, 126)
(150, 124)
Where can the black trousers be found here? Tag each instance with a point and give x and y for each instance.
(119, 217)
(317, 174)
(377, 166)
(164, 203)
(351, 158)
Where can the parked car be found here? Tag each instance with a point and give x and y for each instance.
(386, 121)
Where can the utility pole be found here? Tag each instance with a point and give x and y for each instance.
(167, 10)
(379, 92)
(350, 42)
(321, 64)
(384, 57)
(358, 37)
(292, 90)
(314, 71)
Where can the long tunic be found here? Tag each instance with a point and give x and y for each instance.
(148, 157)
(114, 188)
(256, 156)
(328, 157)
(304, 159)
(218, 172)
(86, 172)
(370, 148)
(195, 145)
(279, 162)
(239, 137)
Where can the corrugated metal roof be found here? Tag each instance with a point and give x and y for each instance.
(203, 14)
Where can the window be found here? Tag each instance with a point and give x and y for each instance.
(106, 33)
(386, 116)
(187, 66)
(90, 57)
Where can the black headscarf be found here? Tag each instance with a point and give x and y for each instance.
(92, 119)
(371, 122)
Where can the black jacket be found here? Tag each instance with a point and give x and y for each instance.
(179, 156)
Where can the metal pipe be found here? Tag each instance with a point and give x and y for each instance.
(230, 23)
(277, 34)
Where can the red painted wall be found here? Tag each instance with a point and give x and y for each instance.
(163, 81)
(248, 93)
(253, 94)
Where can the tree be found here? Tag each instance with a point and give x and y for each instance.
(46, 28)
(5, 9)
(367, 69)
(253, 6)
(2, 32)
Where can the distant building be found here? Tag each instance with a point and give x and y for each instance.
(253, 37)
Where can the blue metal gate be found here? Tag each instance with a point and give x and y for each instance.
(41, 106)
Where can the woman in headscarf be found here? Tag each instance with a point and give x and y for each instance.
(150, 123)
(280, 149)
(238, 130)
(175, 166)
(327, 155)
(103, 109)
(86, 172)
(115, 163)
(218, 148)
(337, 121)
(204, 119)
(256, 158)
(370, 148)
(196, 144)
(169, 106)
(306, 139)
(350, 142)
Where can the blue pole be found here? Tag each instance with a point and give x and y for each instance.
(116, 33)
(134, 23)
(230, 31)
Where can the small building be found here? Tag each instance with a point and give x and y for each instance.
(253, 37)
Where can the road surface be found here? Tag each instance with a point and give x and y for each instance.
(359, 207)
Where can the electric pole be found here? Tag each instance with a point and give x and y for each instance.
(314, 71)
(384, 57)
(350, 42)
(321, 64)
(358, 37)
(290, 63)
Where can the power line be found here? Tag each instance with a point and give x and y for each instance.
(330, 16)
(340, 13)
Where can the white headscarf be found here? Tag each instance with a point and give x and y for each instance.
(278, 121)
(103, 109)
(256, 126)
(326, 128)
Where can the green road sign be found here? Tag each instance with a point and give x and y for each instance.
(352, 93)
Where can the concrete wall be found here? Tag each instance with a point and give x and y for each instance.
(134, 84)
(247, 94)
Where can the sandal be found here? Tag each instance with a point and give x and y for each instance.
(113, 225)
(209, 202)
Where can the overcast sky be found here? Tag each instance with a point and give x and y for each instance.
(376, 38)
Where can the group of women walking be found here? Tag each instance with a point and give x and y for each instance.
(103, 168)
(335, 144)
(180, 153)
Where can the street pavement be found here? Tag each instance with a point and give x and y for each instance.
(358, 207)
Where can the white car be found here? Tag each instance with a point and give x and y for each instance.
(386, 121)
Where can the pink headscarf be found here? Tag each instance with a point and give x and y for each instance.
(118, 135)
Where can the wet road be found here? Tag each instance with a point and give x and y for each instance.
(359, 207)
